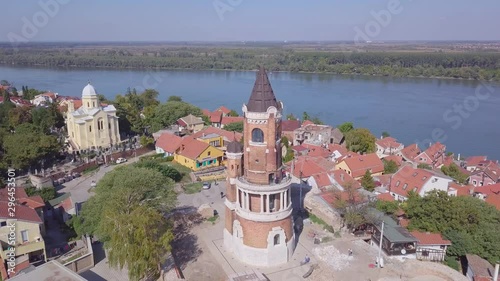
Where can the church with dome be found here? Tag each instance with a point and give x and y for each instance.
(90, 124)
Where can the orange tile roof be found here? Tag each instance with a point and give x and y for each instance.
(307, 122)
(435, 151)
(411, 151)
(388, 142)
(77, 104)
(343, 178)
(427, 238)
(215, 117)
(192, 148)
(333, 197)
(223, 109)
(337, 147)
(23, 213)
(289, 125)
(23, 199)
(229, 136)
(397, 159)
(206, 112)
(385, 197)
(408, 179)
(462, 190)
(230, 119)
(488, 190)
(322, 179)
(317, 151)
(475, 160)
(360, 164)
(308, 166)
(168, 142)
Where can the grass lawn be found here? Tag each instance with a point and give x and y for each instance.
(321, 222)
(213, 219)
(192, 188)
(183, 170)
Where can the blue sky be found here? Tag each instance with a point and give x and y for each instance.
(247, 20)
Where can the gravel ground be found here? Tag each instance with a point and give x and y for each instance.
(332, 257)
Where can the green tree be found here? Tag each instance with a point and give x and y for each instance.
(305, 116)
(127, 213)
(167, 171)
(360, 140)
(47, 193)
(19, 115)
(387, 207)
(367, 181)
(234, 127)
(168, 113)
(291, 117)
(385, 134)
(424, 166)
(454, 171)
(317, 121)
(174, 98)
(285, 141)
(390, 167)
(146, 141)
(233, 113)
(346, 127)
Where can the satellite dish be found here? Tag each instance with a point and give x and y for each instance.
(403, 252)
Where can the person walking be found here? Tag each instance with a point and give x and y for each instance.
(221, 194)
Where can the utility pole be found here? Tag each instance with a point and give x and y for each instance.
(380, 246)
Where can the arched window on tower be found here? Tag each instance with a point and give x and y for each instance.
(257, 135)
(276, 239)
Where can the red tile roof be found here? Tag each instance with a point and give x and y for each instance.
(383, 180)
(343, 178)
(289, 125)
(229, 136)
(435, 151)
(223, 109)
(337, 147)
(299, 148)
(427, 238)
(334, 198)
(169, 142)
(462, 190)
(322, 179)
(493, 189)
(308, 166)
(397, 159)
(385, 197)
(215, 117)
(67, 204)
(23, 199)
(388, 142)
(192, 148)
(475, 160)
(360, 164)
(77, 104)
(206, 112)
(482, 269)
(408, 179)
(22, 213)
(230, 119)
(307, 122)
(317, 151)
(411, 151)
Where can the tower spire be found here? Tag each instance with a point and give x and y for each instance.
(262, 96)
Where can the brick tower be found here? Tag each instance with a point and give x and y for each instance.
(258, 227)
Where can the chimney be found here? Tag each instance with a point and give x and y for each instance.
(495, 275)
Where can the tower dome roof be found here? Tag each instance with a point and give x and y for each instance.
(262, 96)
(235, 147)
(89, 91)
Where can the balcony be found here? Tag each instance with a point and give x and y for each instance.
(276, 185)
(26, 248)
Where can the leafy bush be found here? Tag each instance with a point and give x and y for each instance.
(167, 171)
(47, 193)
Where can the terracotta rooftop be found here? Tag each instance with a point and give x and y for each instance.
(169, 142)
(337, 147)
(307, 122)
(482, 269)
(408, 179)
(343, 178)
(262, 96)
(385, 197)
(223, 109)
(308, 166)
(411, 151)
(231, 119)
(493, 189)
(322, 179)
(427, 238)
(192, 148)
(388, 142)
(23, 199)
(299, 148)
(227, 135)
(289, 125)
(317, 151)
(475, 160)
(435, 150)
(23, 213)
(215, 117)
(462, 190)
(396, 158)
(206, 112)
(360, 164)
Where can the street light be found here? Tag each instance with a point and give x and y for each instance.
(379, 259)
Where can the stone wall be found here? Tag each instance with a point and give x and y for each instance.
(127, 153)
(84, 262)
(318, 207)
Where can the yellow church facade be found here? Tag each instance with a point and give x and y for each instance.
(91, 125)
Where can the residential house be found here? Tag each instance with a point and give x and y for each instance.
(433, 156)
(430, 246)
(320, 181)
(486, 173)
(388, 146)
(17, 101)
(455, 189)
(29, 244)
(341, 180)
(226, 120)
(409, 152)
(346, 198)
(224, 110)
(479, 269)
(317, 135)
(357, 166)
(488, 193)
(420, 181)
(288, 127)
(217, 137)
(338, 151)
(215, 118)
(63, 207)
(396, 240)
(472, 163)
(34, 202)
(190, 124)
(167, 144)
(395, 158)
(44, 99)
(299, 150)
(304, 167)
(197, 155)
(53, 270)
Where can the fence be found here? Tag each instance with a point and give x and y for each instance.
(127, 154)
(428, 254)
(83, 262)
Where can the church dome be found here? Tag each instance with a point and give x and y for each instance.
(89, 91)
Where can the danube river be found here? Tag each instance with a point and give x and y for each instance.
(465, 115)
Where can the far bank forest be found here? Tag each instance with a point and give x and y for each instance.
(459, 65)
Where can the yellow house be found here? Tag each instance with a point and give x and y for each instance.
(29, 244)
(357, 165)
(197, 155)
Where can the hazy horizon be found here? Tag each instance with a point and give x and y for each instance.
(250, 21)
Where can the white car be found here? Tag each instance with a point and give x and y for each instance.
(206, 185)
(121, 160)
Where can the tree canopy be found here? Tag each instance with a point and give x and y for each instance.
(454, 171)
(127, 213)
(168, 113)
(390, 167)
(360, 140)
(346, 127)
(367, 181)
(234, 127)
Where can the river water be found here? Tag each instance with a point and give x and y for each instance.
(464, 115)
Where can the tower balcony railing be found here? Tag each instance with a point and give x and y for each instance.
(274, 185)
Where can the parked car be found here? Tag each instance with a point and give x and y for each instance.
(93, 184)
(206, 185)
(121, 160)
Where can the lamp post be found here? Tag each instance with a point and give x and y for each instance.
(379, 259)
